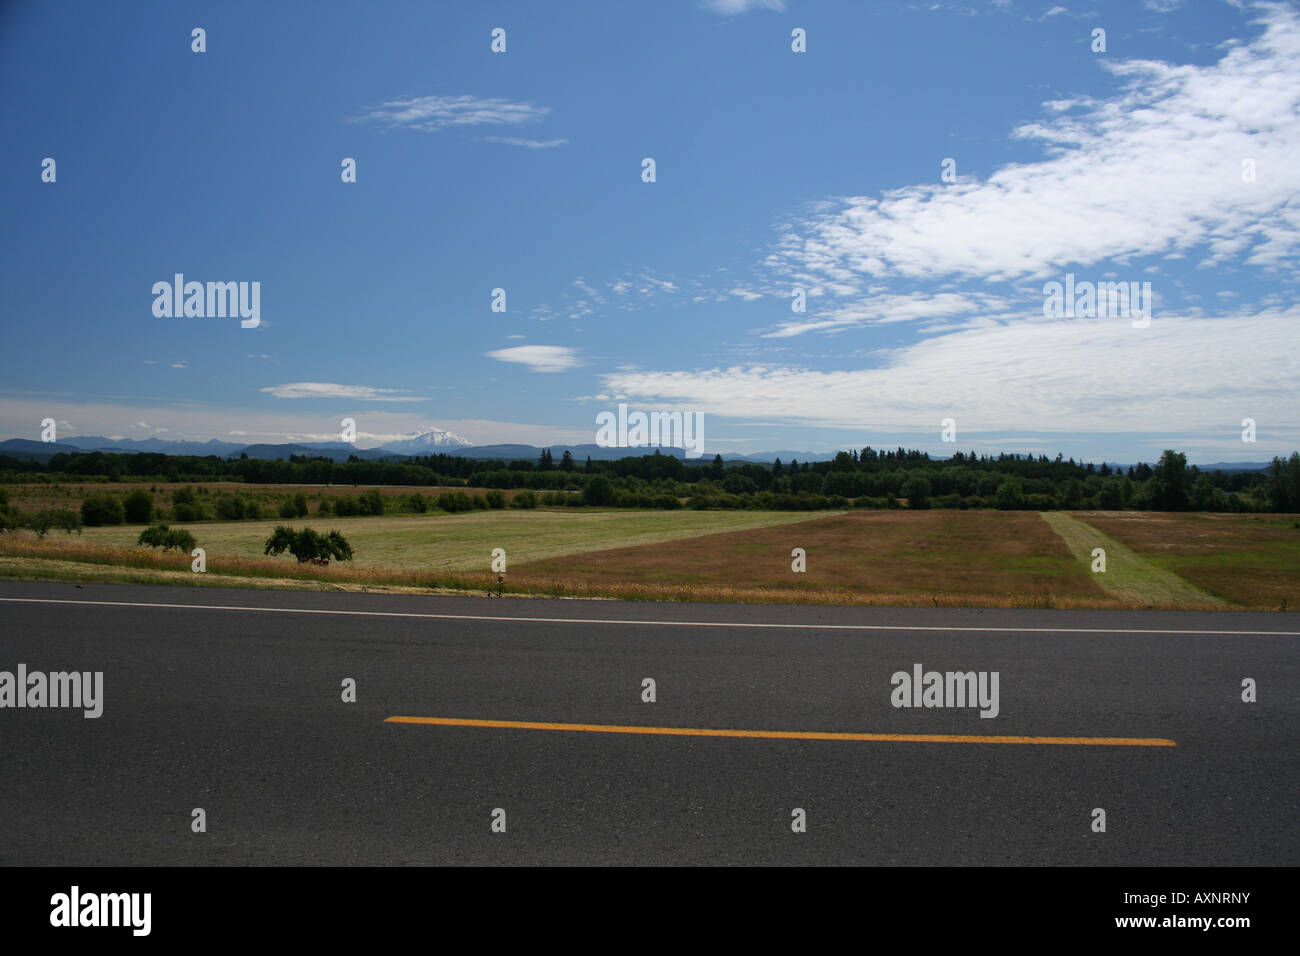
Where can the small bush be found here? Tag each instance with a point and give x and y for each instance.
(454, 501)
(230, 508)
(495, 499)
(525, 499)
(185, 512)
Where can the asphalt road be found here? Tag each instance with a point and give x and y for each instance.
(231, 701)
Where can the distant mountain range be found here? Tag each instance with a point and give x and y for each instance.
(434, 442)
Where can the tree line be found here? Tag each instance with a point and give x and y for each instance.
(860, 478)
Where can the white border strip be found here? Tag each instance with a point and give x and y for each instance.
(608, 621)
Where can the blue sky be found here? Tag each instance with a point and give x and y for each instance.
(522, 170)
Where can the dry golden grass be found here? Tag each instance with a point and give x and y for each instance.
(944, 558)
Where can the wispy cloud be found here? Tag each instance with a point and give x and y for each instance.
(539, 358)
(1154, 170)
(356, 393)
(885, 309)
(1079, 375)
(439, 112)
(527, 143)
(732, 7)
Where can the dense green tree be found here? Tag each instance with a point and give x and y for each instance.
(917, 492)
(138, 507)
(101, 508)
(308, 545)
(1167, 487)
(598, 491)
(1011, 496)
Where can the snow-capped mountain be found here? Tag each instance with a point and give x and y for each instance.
(428, 443)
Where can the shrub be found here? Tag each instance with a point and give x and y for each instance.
(288, 509)
(454, 501)
(324, 506)
(101, 508)
(345, 506)
(300, 505)
(138, 507)
(372, 502)
(184, 496)
(525, 499)
(230, 508)
(252, 510)
(185, 512)
(495, 499)
(479, 502)
(418, 503)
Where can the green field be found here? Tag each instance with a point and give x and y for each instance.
(1128, 575)
(463, 542)
(972, 558)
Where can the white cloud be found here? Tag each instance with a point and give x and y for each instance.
(732, 7)
(886, 309)
(357, 393)
(438, 112)
(1180, 375)
(539, 358)
(1154, 170)
(528, 143)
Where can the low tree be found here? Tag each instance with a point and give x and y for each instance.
(63, 518)
(309, 545)
(161, 536)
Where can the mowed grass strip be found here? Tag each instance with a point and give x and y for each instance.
(458, 542)
(945, 558)
(1251, 560)
(1128, 575)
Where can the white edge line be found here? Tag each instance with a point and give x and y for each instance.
(585, 620)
